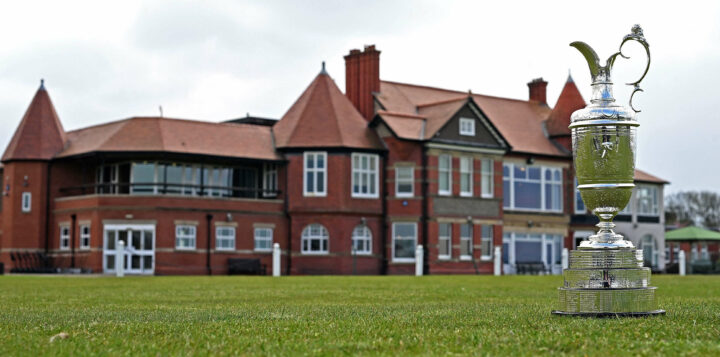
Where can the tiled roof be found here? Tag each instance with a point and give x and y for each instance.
(157, 134)
(324, 117)
(40, 135)
(569, 101)
(519, 121)
(646, 177)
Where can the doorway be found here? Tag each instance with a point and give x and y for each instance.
(139, 240)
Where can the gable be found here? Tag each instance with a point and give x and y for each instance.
(485, 135)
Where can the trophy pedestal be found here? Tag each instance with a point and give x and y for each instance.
(607, 283)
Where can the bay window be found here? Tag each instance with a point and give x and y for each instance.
(532, 188)
(364, 175)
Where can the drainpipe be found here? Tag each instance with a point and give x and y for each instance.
(289, 222)
(424, 218)
(47, 209)
(383, 220)
(209, 218)
(73, 219)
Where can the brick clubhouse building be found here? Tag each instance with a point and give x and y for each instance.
(344, 183)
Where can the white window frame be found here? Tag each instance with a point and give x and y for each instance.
(65, 237)
(308, 236)
(315, 171)
(447, 172)
(219, 238)
(270, 180)
(463, 239)
(368, 175)
(640, 196)
(191, 237)
(398, 181)
(447, 240)
(486, 254)
(394, 238)
(487, 191)
(267, 238)
(84, 236)
(511, 178)
(26, 202)
(362, 233)
(466, 169)
(467, 126)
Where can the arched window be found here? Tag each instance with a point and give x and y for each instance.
(362, 240)
(650, 251)
(315, 239)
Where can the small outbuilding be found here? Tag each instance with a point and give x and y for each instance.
(701, 247)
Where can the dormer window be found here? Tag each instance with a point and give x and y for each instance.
(467, 126)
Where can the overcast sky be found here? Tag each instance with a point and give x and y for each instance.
(216, 60)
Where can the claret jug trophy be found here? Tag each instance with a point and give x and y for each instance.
(605, 276)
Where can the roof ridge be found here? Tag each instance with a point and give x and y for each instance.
(445, 101)
(455, 91)
(400, 114)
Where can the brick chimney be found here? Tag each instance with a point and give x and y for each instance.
(362, 78)
(538, 90)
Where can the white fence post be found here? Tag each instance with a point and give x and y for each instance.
(498, 262)
(120, 259)
(565, 258)
(419, 260)
(681, 263)
(276, 260)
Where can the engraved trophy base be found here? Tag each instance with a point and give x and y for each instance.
(607, 282)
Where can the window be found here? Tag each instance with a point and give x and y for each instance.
(107, 179)
(628, 208)
(315, 173)
(143, 178)
(693, 252)
(444, 175)
(650, 251)
(579, 203)
(270, 176)
(185, 236)
(404, 240)
(467, 126)
(315, 239)
(365, 175)
(64, 237)
(704, 254)
(532, 248)
(362, 240)
(84, 236)
(225, 238)
(218, 181)
(466, 176)
(486, 242)
(647, 200)
(676, 252)
(532, 188)
(263, 239)
(404, 181)
(466, 241)
(26, 202)
(486, 183)
(444, 241)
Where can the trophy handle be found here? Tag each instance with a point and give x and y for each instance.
(636, 35)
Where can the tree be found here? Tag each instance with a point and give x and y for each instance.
(693, 207)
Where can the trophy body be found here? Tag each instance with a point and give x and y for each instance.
(606, 276)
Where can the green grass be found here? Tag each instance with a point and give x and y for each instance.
(434, 315)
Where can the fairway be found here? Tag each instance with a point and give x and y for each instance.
(432, 315)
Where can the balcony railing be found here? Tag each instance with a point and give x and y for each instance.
(153, 188)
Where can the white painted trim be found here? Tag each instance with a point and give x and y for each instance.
(412, 181)
(470, 172)
(447, 192)
(234, 237)
(403, 260)
(255, 239)
(304, 238)
(315, 170)
(492, 178)
(470, 132)
(464, 148)
(371, 170)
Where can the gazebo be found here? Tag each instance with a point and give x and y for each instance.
(701, 246)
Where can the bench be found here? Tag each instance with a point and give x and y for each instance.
(240, 266)
(532, 268)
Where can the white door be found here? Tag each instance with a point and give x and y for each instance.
(139, 239)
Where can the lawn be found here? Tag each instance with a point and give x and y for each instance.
(432, 315)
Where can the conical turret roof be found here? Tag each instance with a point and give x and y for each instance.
(569, 101)
(324, 117)
(40, 135)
